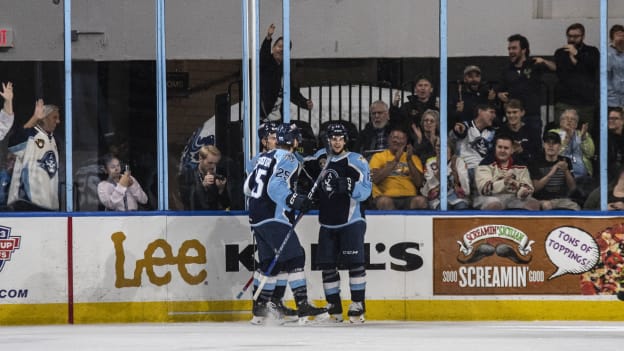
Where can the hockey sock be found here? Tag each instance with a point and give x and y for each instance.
(280, 285)
(331, 285)
(267, 290)
(298, 285)
(357, 283)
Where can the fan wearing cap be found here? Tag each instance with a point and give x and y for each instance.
(552, 176)
(34, 186)
(470, 93)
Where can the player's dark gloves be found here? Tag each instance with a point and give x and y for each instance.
(343, 185)
(299, 202)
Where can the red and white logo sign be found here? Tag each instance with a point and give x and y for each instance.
(8, 245)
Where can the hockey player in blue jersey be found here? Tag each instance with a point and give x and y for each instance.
(268, 139)
(266, 133)
(341, 236)
(272, 205)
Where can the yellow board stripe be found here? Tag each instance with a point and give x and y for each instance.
(402, 310)
(30, 314)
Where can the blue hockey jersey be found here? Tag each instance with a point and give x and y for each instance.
(337, 210)
(273, 178)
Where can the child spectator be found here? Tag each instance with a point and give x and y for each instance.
(120, 191)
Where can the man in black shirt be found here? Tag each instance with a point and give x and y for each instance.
(522, 80)
(576, 64)
(271, 72)
(552, 176)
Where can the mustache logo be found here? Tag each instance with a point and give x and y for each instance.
(502, 250)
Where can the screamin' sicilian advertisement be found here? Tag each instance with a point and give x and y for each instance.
(503, 256)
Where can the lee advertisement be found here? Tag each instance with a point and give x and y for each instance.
(498, 256)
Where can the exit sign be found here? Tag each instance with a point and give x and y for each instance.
(6, 38)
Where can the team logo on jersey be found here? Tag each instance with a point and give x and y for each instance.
(327, 182)
(48, 163)
(322, 162)
(8, 245)
(40, 143)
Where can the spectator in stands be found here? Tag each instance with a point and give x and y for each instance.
(474, 139)
(120, 191)
(615, 67)
(578, 146)
(271, 74)
(502, 183)
(458, 190)
(374, 136)
(469, 94)
(204, 188)
(426, 135)
(615, 195)
(397, 175)
(35, 181)
(525, 147)
(6, 122)
(6, 114)
(412, 111)
(615, 141)
(521, 80)
(552, 176)
(576, 64)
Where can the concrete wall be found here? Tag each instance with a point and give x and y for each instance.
(211, 29)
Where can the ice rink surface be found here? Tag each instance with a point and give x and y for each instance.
(372, 335)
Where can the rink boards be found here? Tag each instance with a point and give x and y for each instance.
(88, 269)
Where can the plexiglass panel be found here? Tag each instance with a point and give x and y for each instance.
(114, 105)
(32, 176)
(536, 64)
(204, 59)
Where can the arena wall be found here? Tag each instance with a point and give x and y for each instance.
(189, 267)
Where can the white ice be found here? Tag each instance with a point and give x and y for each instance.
(372, 335)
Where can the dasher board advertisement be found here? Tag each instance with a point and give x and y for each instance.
(33, 260)
(533, 256)
(192, 258)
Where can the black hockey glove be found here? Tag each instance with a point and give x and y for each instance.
(343, 185)
(299, 202)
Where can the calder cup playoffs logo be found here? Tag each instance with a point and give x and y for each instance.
(8, 245)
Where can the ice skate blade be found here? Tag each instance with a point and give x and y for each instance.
(335, 318)
(357, 319)
(307, 320)
(256, 320)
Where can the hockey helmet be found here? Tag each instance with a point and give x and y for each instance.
(267, 128)
(337, 129)
(287, 134)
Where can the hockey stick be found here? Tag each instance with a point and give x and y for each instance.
(265, 276)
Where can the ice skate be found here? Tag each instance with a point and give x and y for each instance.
(335, 313)
(263, 311)
(356, 312)
(284, 312)
(306, 311)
